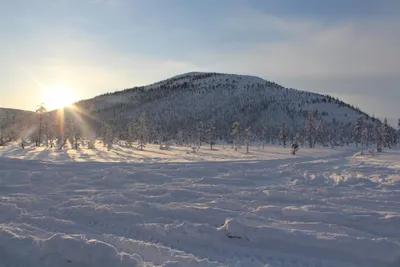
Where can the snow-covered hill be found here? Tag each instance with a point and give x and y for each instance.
(181, 102)
(184, 105)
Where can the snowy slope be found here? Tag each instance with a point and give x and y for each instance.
(181, 102)
(323, 207)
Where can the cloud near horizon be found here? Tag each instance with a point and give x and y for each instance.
(104, 45)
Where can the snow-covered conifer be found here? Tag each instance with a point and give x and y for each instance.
(378, 135)
(364, 140)
(386, 134)
(237, 134)
(130, 135)
(264, 134)
(358, 130)
(310, 129)
(249, 136)
(200, 133)
(179, 138)
(211, 136)
(398, 130)
(341, 136)
(320, 133)
(331, 140)
(40, 111)
(109, 138)
(143, 130)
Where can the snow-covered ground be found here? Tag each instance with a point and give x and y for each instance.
(322, 207)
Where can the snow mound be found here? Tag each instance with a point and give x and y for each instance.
(352, 179)
(234, 229)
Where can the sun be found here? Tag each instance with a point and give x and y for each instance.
(59, 96)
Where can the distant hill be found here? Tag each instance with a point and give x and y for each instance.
(182, 102)
(182, 105)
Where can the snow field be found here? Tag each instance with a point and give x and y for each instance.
(126, 207)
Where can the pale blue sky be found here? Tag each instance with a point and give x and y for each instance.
(344, 48)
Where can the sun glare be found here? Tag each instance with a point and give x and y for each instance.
(56, 97)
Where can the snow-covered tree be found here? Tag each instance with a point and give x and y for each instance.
(331, 140)
(50, 132)
(40, 111)
(74, 133)
(364, 140)
(341, 136)
(91, 144)
(103, 133)
(320, 133)
(143, 130)
(295, 144)
(264, 134)
(300, 139)
(386, 134)
(106, 134)
(357, 132)
(200, 133)
(179, 138)
(211, 136)
(109, 137)
(396, 134)
(283, 134)
(249, 136)
(378, 136)
(310, 129)
(296, 139)
(398, 130)
(130, 135)
(237, 134)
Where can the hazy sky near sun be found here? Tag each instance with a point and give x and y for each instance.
(349, 49)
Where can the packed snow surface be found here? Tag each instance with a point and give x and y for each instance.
(124, 207)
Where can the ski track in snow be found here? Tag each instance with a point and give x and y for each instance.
(332, 210)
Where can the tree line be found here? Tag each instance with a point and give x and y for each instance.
(50, 129)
